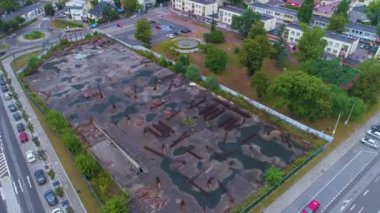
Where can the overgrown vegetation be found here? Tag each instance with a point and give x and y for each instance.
(34, 35)
(62, 24)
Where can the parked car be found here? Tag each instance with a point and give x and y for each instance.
(311, 207)
(2, 53)
(376, 127)
(176, 33)
(30, 156)
(65, 205)
(51, 198)
(93, 26)
(118, 25)
(56, 183)
(67, 29)
(40, 177)
(4, 88)
(12, 107)
(2, 82)
(152, 21)
(134, 16)
(7, 96)
(57, 210)
(23, 137)
(12, 35)
(370, 142)
(374, 133)
(170, 35)
(172, 27)
(186, 30)
(20, 127)
(61, 15)
(158, 27)
(17, 116)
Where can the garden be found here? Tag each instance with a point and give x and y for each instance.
(34, 35)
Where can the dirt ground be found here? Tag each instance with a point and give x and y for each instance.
(176, 146)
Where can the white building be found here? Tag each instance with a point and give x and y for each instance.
(338, 44)
(28, 13)
(77, 9)
(227, 12)
(280, 13)
(195, 8)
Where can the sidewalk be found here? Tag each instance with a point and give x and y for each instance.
(306, 181)
(69, 189)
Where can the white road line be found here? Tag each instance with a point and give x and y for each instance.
(1, 193)
(30, 184)
(352, 207)
(377, 179)
(365, 193)
(15, 187)
(19, 182)
(361, 209)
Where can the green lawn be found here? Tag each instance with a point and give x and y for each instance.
(22, 61)
(34, 35)
(62, 24)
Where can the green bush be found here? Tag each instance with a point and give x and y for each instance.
(34, 35)
(51, 174)
(274, 175)
(71, 141)
(41, 154)
(193, 73)
(212, 83)
(36, 141)
(214, 36)
(216, 59)
(237, 50)
(88, 166)
(59, 191)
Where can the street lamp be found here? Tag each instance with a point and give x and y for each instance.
(336, 125)
(349, 116)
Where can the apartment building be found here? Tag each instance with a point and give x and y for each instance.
(227, 12)
(338, 44)
(28, 13)
(280, 13)
(197, 8)
(76, 9)
(365, 33)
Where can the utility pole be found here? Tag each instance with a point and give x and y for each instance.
(336, 125)
(349, 116)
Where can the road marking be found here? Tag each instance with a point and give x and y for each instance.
(365, 193)
(345, 202)
(361, 209)
(30, 184)
(1, 193)
(15, 187)
(352, 207)
(377, 179)
(19, 182)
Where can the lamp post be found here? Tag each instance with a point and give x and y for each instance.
(336, 125)
(349, 116)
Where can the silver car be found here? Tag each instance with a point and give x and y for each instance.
(370, 142)
(374, 133)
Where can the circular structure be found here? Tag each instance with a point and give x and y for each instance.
(186, 44)
(34, 35)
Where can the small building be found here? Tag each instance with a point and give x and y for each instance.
(76, 9)
(364, 32)
(28, 13)
(269, 22)
(226, 13)
(96, 13)
(338, 44)
(202, 10)
(280, 13)
(319, 21)
(358, 14)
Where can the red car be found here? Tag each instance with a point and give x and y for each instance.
(311, 207)
(158, 27)
(118, 25)
(23, 137)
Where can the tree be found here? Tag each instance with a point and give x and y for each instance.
(168, 47)
(131, 6)
(273, 175)
(116, 204)
(49, 9)
(367, 87)
(244, 22)
(216, 60)
(143, 31)
(193, 73)
(33, 62)
(257, 29)
(71, 141)
(60, 5)
(378, 29)
(87, 165)
(181, 64)
(212, 82)
(331, 72)
(57, 121)
(303, 94)
(215, 36)
(184, 59)
(338, 23)
(305, 12)
(311, 45)
(94, 3)
(373, 12)
(8, 5)
(28, 2)
(342, 103)
(235, 2)
(343, 7)
(260, 82)
(103, 182)
(109, 14)
(253, 53)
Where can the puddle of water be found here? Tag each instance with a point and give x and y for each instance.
(52, 66)
(69, 79)
(150, 116)
(73, 116)
(181, 150)
(131, 109)
(78, 65)
(99, 108)
(144, 73)
(99, 80)
(79, 86)
(115, 119)
(171, 105)
(78, 100)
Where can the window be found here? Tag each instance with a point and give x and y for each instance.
(334, 51)
(291, 39)
(292, 32)
(336, 44)
(328, 50)
(298, 34)
(330, 43)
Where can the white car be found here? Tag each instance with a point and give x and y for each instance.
(30, 157)
(12, 35)
(374, 133)
(370, 142)
(7, 96)
(57, 210)
(170, 35)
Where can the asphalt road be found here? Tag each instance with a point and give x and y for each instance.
(25, 190)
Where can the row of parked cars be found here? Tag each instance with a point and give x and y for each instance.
(39, 175)
(373, 142)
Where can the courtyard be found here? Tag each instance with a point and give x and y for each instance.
(174, 145)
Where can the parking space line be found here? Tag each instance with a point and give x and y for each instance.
(30, 184)
(361, 209)
(377, 179)
(366, 192)
(19, 182)
(15, 187)
(352, 207)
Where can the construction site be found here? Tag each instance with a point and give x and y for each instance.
(174, 145)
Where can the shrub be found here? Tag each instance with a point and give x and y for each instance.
(71, 141)
(41, 154)
(216, 59)
(87, 165)
(59, 191)
(193, 73)
(214, 36)
(237, 50)
(36, 141)
(51, 174)
(212, 82)
(30, 126)
(274, 175)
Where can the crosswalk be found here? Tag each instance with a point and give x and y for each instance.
(4, 171)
